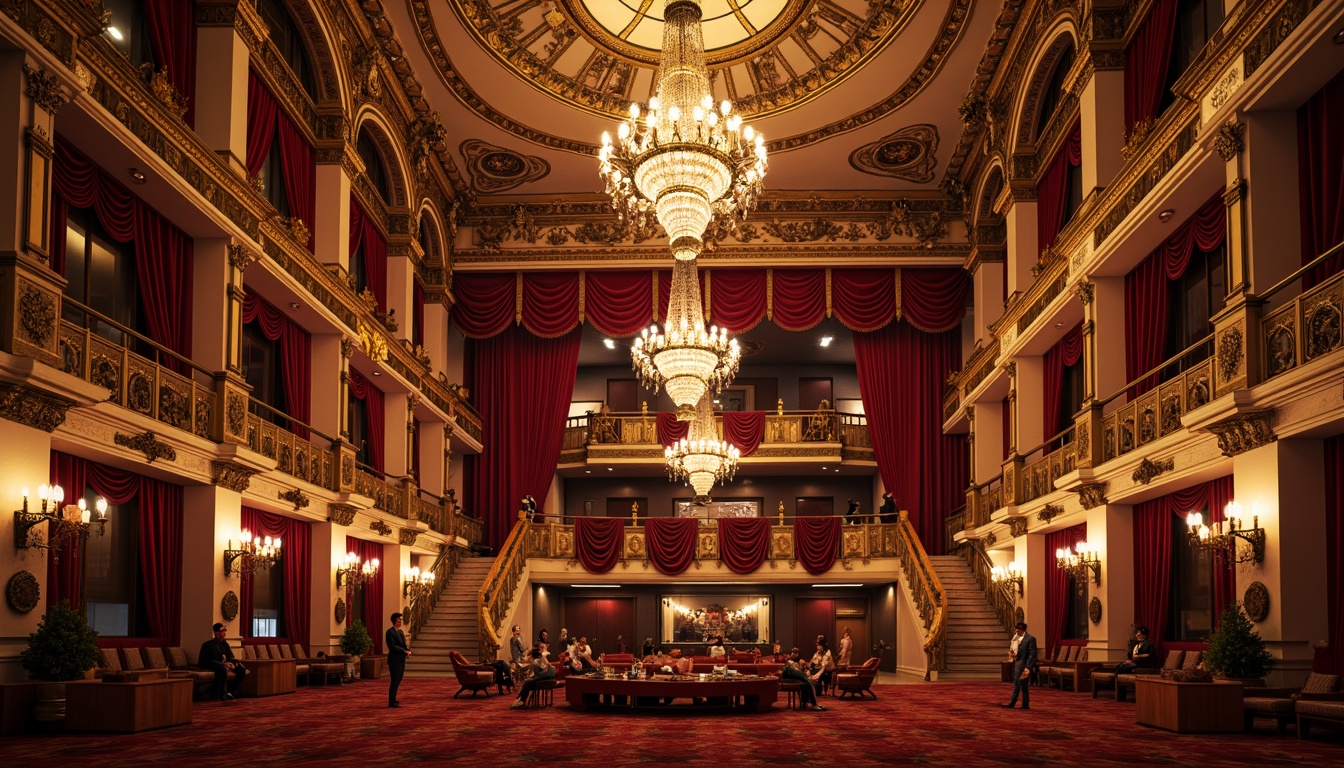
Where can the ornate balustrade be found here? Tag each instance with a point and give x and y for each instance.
(422, 603)
(1040, 473)
(501, 584)
(926, 589)
(387, 495)
(308, 460)
(470, 528)
(1000, 597)
(1305, 328)
(1156, 413)
(640, 430)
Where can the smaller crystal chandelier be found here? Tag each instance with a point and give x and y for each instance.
(702, 458)
(685, 358)
(352, 573)
(1080, 564)
(1222, 537)
(417, 583)
(1009, 577)
(252, 554)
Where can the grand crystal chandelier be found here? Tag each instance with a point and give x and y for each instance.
(683, 160)
(685, 358)
(702, 458)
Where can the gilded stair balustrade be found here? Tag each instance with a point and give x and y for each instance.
(422, 603)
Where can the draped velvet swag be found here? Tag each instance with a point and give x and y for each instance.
(1320, 178)
(1147, 60)
(296, 565)
(172, 41)
(368, 240)
(1068, 351)
(372, 397)
(267, 122)
(1052, 192)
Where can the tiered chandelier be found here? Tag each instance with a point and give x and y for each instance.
(702, 457)
(686, 163)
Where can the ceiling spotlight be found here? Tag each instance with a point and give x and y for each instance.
(610, 469)
(588, 471)
(1339, 37)
(293, 305)
(608, 343)
(115, 34)
(1059, 325)
(137, 176)
(377, 373)
(826, 340)
(1166, 215)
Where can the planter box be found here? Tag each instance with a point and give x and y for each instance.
(127, 707)
(268, 677)
(1188, 707)
(371, 667)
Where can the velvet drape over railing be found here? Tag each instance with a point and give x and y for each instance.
(521, 385)
(669, 429)
(1052, 192)
(1154, 552)
(744, 542)
(267, 122)
(295, 360)
(1147, 289)
(1068, 351)
(163, 253)
(744, 430)
(670, 542)
(816, 542)
(372, 397)
(172, 41)
(1334, 552)
(1058, 587)
(158, 544)
(1320, 178)
(372, 590)
(365, 238)
(296, 572)
(598, 542)
(1147, 61)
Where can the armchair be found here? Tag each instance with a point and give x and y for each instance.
(1280, 704)
(472, 677)
(858, 680)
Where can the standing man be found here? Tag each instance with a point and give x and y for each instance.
(888, 510)
(852, 514)
(1024, 663)
(217, 657)
(397, 651)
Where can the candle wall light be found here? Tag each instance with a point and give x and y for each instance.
(1221, 537)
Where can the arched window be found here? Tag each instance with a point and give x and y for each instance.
(374, 165)
(288, 40)
(1054, 89)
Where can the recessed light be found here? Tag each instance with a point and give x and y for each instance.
(609, 469)
(826, 340)
(115, 34)
(608, 343)
(1339, 37)
(136, 175)
(377, 373)
(293, 305)
(837, 470)
(1059, 325)
(1166, 215)
(588, 471)
(596, 586)
(823, 469)
(824, 586)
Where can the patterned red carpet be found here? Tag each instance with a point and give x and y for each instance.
(941, 724)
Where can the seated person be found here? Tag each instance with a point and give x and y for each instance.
(541, 670)
(793, 670)
(1141, 654)
(823, 665)
(648, 647)
(217, 657)
(716, 649)
(582, 653)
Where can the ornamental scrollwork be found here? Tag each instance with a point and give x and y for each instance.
(37, 315)
(233, 477)
(44, 89)
(149, 444)
(381, 528)
(1149, 469)
(1244, 431)
(1228, 141)
(296, 497)
(1092, 495)
(1049, 512)
(407, 537)
(1017, 526)
(341, 514)
(1230, 354)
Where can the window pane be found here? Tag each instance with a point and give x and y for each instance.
(1191, 587)
(75, 242)
(110, 572)
(267, 594)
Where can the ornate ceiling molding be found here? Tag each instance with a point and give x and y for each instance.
(496, 169)
(910, 154)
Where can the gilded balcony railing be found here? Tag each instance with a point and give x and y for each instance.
(1308, 326)
(470, 528)
(926, 589)
(1046, 464)
(309, 460)
(387, 495)
(781, 427)
(500, 586)
(1157, 412)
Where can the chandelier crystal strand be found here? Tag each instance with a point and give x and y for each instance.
(684, 160)
(684, 357)
(702, 458)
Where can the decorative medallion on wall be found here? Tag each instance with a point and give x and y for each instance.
(1094, 610)
(228, 606)
(23, 592)
(495, 169)
(1019, 615)
(906, 154)
(1256, 602)
(340, 610)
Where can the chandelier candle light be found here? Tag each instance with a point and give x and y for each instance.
(702, 457)
(1009, 577)
(1080, 564)
(351, 573)
(65, 520)
(1222, 537)
(417, 582)
(252, 554)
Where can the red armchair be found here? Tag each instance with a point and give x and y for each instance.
(472, 677)
(858, 680)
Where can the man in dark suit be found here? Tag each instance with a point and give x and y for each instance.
(887, 512)
(1024, 663)
(217, 657)
(1141, 654)
(397, 651)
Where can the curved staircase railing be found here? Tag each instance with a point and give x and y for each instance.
(927, 591)
(497, 592)
(1000, 597)
(422, 603)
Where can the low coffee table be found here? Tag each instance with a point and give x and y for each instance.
(756, 694)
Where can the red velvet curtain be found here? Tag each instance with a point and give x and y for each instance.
(1147, 288)
(598, 542)
(1147, 60)
(372, 397)
(1334, 552)
(864, 299)
(671, 543)
(1320, 178)
(1052, 192)
(744, 429)
(300, 175)
(1058, 589)
(296, 362)
(296, 563)
(1068, 351)
(172, 40)
(901, 372)
(816, 542)
(159, 544)
(669, 429)
(261, 111)
(485, 303)
(364, 234)
(618, 303)
(799, 298)
(744, 542)
(522, 386)
(163, 253)
(550, 303)
(372, 591)
(737, 299)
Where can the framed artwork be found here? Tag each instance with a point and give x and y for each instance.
(700, 618)
(747, 507)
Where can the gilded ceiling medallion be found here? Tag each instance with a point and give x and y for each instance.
(910, 154)
(496, 169)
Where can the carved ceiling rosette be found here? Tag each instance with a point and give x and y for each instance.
(910, 154)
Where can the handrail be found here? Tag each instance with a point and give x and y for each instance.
(1158, 368)
(1000, 597)
(500, 585)
(1336, 250)
(292, 420)
(422, 604)
(777, 519)
(927, 590)
(68, 302)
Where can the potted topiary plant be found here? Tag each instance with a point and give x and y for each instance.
(354, 643)
(1236, 652)
(63, 648)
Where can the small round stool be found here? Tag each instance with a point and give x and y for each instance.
(541, 696)
(792, 687)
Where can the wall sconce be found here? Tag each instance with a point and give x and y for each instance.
(1078, 564)
(1008, 577)
(417, 584)
(251, 555)
(1222, 537)
(65, 521)
(352, 573)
